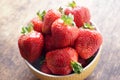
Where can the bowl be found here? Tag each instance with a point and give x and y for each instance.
(74, 76)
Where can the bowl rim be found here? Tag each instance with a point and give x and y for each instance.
(49, 75)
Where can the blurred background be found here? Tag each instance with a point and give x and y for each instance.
(16, 13)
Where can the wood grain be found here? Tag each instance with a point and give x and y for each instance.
(15, 13)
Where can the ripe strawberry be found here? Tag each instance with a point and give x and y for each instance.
(44, 68)
(30, 44)
(37, 24)
(64, 31)
(62, 61)
(38, 21)
(49, 44)
(88, 42)
(49, 18)
(81, 14)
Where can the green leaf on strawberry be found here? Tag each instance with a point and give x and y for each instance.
(27, 29)
(77, 67)
(88, 26)
(41, 15)
(68, 19)
(72, 4)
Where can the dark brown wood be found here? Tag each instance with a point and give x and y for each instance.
(15, 13)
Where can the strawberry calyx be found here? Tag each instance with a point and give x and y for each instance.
(27, 28)
(88, 26)
(68, 19)
(77, 67)
(41, 15)
(72, 4)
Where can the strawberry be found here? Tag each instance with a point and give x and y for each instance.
(49, 44)
(30, 44)
(38, 21)
(64, 31)
(88, 41)
(44, 68)
(49, 18)
(37, 24)
(81, 14)
(62, 61)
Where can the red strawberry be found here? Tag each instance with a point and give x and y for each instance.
(62, 61)
(45, 69)
(88, 42)
(49, 44)
(49, 18)
(30, 44)
(81, 14)
(37, 24)
(38, 21)
(64, 31)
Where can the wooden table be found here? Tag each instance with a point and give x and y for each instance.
(15, 13)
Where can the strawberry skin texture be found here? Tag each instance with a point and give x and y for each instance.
(58, 61)
(81, 15)
(30, 45)
(88, 42)
(63, 35)
(49, 44)
(37, 24)
(45, 69)
(49, 18)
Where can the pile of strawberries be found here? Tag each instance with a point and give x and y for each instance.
(66, 38)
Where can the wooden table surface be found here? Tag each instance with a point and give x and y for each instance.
(15, 13)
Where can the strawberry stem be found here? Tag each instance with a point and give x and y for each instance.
(61, 10)
(27, 29)
(72, 4)
(88, 26)
(77, 67)
(68, 19)
(41, 15)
